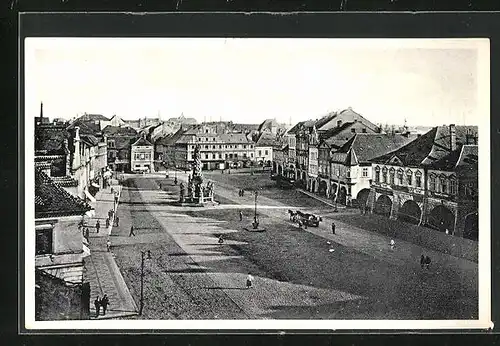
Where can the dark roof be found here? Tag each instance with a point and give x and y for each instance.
(142, 142)
(266, 139)
(89, 139)
(268, 124)
(335, 130)
(49, 139)
(124, 142)
(465, 157)
(51, 200)
(428, 148)
(92, 117)
(234, 138)
(86, 126)
(119, 130)
(367, 146)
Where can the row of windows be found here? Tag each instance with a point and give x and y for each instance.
(442, 184)
(230, 156)
(401, 178)
(266, 152)
(142, 156)
(230, 146)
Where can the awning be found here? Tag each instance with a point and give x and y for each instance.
(95, 185)
(89, 196)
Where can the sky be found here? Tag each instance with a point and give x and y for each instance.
(426, 82)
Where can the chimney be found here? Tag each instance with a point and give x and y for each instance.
(453, 137)
(339, 123)
(41, 111)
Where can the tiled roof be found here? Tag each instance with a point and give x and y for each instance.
(142, 142)
(86, 126)
(93, 117)
(89, 139)
(465, 157)
(368, 146)
(428, 148)
(268, 124)
(118, 130)
(335, 130)
(51, 200)
(234, 138)
(49, 139)
(266, 139)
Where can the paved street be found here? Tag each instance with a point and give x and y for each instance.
(101, 270)
(298, 273)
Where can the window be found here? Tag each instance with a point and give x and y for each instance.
(432, 182)
(443, 181)
(245, 155)
(220, 156)
(214, 139)
(453, 186)
(266, 152)
(418, 179)
(409, 177)
(377, 174)
(43, 243)
(213, 156)
(111, 144)
(251, 146)
(384, 175)
(400, 176)
(365, 172)
(348, 173)
(206, 146)
(392, 172)
(230, 156)
(251, 154)
(363, 130)
(206, 156)
(353, 130)
(260, 152)
(213, 146)
(244, 146)
(206, 139)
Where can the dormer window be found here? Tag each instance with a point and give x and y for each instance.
(409, 177)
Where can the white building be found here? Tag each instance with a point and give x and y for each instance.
(142, 156)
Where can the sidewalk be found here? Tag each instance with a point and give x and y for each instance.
(101, 270)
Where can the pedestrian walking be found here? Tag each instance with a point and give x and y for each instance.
(108, 244)
(117, 221)
(242, 192)
(131, 231)
(87, 233)
(116, 199)
(422, 261)
(241, 216)
(249, 280)
(97, 226)
(107, 222)
(221, 239)
(112, 190)
(393, 243)
(104, 303)
(97, 304)
(333, 228)
(427, 262)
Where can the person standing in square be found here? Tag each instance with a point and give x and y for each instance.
(97, 226)
(249, 280)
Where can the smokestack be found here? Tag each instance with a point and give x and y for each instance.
(453, 137)
(41, 111)
(77, 133)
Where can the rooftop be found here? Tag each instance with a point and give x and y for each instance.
(51, 200)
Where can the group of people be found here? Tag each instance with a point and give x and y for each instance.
(102, 302)
(241, 192)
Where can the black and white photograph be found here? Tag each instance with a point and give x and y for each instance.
(192, 183)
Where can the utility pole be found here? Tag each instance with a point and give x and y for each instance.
(143, 253)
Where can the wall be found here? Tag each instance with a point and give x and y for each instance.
(136, 162)
(260, 154)
(56, 301)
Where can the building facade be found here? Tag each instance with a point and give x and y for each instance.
(429, 181)
(142, 156)
(119, 143)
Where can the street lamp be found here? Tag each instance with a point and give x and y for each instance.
(255, 222)
(148, 256)
(175, 173)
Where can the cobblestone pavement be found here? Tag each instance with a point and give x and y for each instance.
(194, 272)
(101, 270)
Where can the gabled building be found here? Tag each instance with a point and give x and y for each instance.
(350, 173)
(142, 157)
(430, 181)
(119, 143)
(264, 145)
(60, 247)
